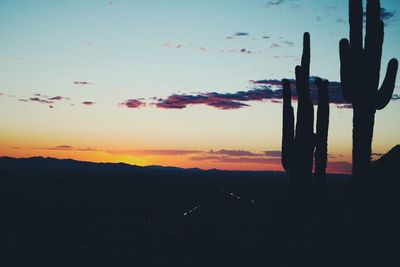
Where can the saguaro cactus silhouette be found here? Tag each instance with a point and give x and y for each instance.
(298, 144)
(360, 68)
(321, 147)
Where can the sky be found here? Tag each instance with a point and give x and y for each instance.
(172, 83)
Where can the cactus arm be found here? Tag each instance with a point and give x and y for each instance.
(288, 126)
(305, 58)
(374, 27)
(373, 45)
(387, 88)
(303, 72)
(344, 50)
(356, 25)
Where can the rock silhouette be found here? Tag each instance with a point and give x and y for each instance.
(359, 69)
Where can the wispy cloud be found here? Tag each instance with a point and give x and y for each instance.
(44, 99)
(386, 15)
(218, 100)
(335, 92)
(339, 167)
(263, 90)
(238, 160)
(133, 103)
(234, 153)
(289, 43)
(241, 34)
(82, 82)
(154, 152)
(59, 98)
(273, 3)
(88, 103)
(68, 148)
(273, 154)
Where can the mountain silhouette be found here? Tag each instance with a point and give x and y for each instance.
(389, 161)
(61, 212)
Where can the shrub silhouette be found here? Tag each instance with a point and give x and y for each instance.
(298, 144)
(359, 69)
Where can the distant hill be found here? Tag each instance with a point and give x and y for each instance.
(53, 164)
(390, 161)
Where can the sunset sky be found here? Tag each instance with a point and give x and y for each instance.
(178, 83)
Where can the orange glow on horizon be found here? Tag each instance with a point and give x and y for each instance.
(182, 161)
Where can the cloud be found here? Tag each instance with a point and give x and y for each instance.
(227, 105)
(396, 97)
(154, 152)
(238, 160)
(273, 154)
(241, 34)
(82, 83)
(68, 148)
(386, 15)
(289, 43)
(218, 100)
(133, 103)
(235, 153)
(263, 90)
(59, 98)
(340, 20)
(43, 99)
(335, 92)
(344, 106)
(88, 103)
(273, 3)
(205, 158)
(339, 167)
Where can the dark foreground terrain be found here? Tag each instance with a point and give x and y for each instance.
(70, 213)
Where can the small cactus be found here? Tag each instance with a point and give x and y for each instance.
(359, 69)
(298, 144)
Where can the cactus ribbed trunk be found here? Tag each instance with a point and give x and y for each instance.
(363, 127)
(321, 147)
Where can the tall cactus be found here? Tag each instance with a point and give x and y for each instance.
(321, 147)
(298, 144)
(360, 69)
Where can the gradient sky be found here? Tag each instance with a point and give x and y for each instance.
(67, 69)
